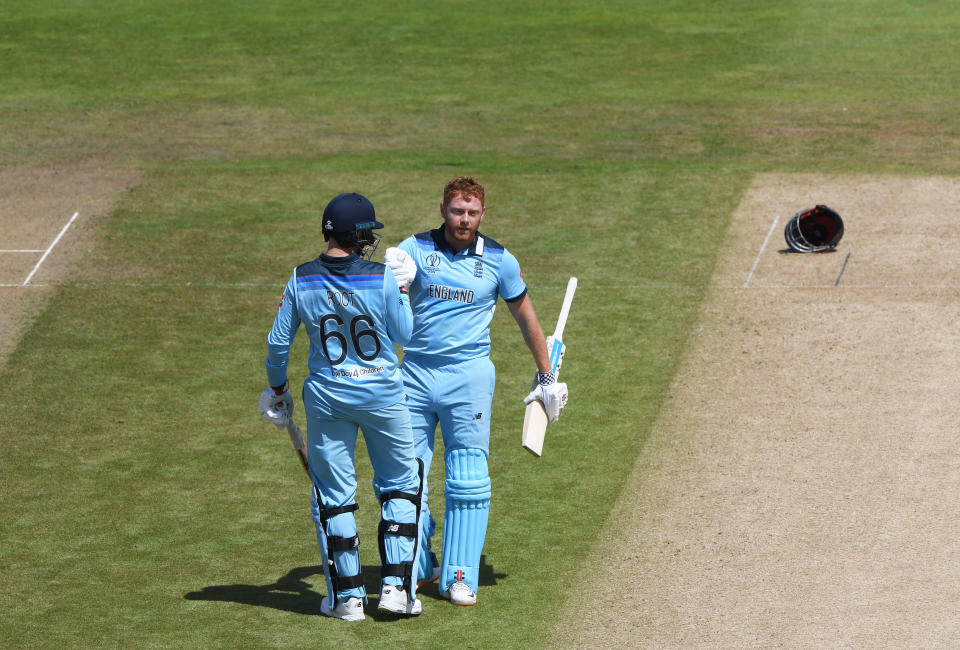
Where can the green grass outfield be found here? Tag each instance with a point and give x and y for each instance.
(145, 504)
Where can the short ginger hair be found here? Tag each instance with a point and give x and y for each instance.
(466, 186)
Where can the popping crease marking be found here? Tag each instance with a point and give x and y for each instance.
(756, 261)
(50, 248)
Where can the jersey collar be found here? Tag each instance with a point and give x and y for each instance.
(476, 248)
(339, 260)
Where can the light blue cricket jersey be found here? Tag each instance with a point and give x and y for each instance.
(353, 313)
(455, 294)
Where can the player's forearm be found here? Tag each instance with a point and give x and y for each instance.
(532, 333)
(281, 335)
(538, 348)
(276, 364)
(399, 315)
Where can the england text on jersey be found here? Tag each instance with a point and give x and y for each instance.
(456, 294)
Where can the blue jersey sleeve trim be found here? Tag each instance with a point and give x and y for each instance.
(522, 294)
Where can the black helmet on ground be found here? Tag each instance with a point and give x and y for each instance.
(814, 231)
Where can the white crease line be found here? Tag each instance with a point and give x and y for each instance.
(50, 248)
(753, 268)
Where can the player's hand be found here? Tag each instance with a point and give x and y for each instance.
(276, 406)
(403, 267)
(552, 393)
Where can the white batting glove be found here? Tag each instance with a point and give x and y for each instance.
(276, 406)
(552, 393)
(403, 267)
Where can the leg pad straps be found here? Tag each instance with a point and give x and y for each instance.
(403, 570)
(336, 543)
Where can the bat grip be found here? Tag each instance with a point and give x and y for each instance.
(296, 439)
(556, 355)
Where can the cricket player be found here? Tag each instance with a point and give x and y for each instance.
(449, 378)
(353, 311)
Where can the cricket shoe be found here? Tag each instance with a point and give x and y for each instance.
(349, 610)
(460, 593)
(436, 573)
(395, 599)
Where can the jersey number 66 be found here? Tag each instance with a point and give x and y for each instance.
(360, 328)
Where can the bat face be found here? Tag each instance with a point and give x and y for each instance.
(534, 428)
(535, 417)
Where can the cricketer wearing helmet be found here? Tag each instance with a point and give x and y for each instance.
(449, 378)
(353, 311)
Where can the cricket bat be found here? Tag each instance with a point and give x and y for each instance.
(296, 439)
(535, 418)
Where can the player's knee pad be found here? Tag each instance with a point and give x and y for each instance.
(400, 518)
(467, 494)
(337, 536)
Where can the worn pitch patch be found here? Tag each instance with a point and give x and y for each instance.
(799, 487)
(35, 205)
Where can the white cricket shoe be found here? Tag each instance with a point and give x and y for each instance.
(349, 610)
(460, 593)
(395, 599)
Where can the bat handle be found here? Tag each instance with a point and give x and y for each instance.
(565, 309)
(296, 439)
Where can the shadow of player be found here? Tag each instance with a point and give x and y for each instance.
(293, 593)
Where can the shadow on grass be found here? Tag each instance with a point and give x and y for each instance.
(293, 593)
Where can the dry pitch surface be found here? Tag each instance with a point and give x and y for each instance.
(800, 486)
(36, 203)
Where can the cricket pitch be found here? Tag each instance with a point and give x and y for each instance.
(799, 488)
